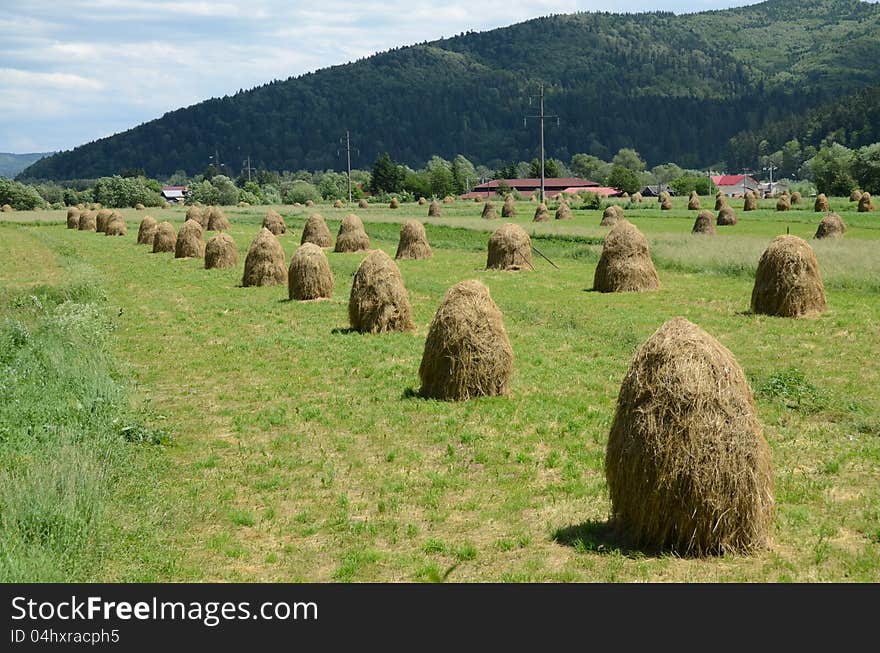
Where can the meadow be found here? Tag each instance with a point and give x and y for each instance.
(243, 437)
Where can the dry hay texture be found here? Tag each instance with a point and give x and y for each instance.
(687, 465)
(855, 195)
(637, 198)
(467, 352)
(338, 204)
(242, 204)
(87, 221)
(116, 226)
(140, 207)
(264, 264)
(73, 214)
(221, 252)
(190, 241)
(316, 232)
(663, 196)
(413, 243)
(564, 212)
(422, 201)
(378, 301)
(7, 208)
(394, 204)
(309, 276)
(624, 195)
(726, 216)
(434, 210)
(449, 199)
(488, 211)
(822, 205)
(102, 217)
(788, 282)
(831, 226)
(147, 230)
(510, 248)
(165, 238)
(796, 199)
(750, 202)
(694, 201)
(783, 203)
(216, 219)
(351, 237)
(508, 209)
(363, 204)
(198, 214)
(611, 215)
(478, 199)
(310, 203)
(541, 213)
(625, 264)
(705, 223)
(720, 202)
(666, 204)
(274, 222)
(866, 205)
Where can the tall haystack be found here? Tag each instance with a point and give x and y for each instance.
(198, 214)
(467, 352)
(563, 212)
(116, 226)
(264, 265)
(147, 230)
(102, 217)
(720, 201)
(337, 205)
(394, 204)
(87, 221)
(796, 199)
(750, 201)
(434, 209)
(216, 219)
(165, 238)
(663, 196)
(190, 241)
(611, 215)
(309, 276)
(363, 204)
(221, 252)
(352, 237)
(783, 203)
(73, 214)
(315, 231)
(705, 223)
(422, 201)
(831, 226)
(637, 198)
(625, 264)
(510, 248)
(687, 465)
(694, 201)
(274, 222)
(541, 213)
(821, 205)
(787, 281)
(413, 243)
(666, 204)
(866, 204)
(508, 209)
(488, 211)
(378, 301)
(726, 216)
(855, 195)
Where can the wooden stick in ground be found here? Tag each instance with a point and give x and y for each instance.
(547, 259)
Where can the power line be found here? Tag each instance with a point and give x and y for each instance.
(542, 116)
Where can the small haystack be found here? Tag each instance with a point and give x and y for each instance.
(351, 237)
(855, 195)
(310, 203)
(508, 209)
(378, 301)
(787, 281)
(116, 226)
(750, 201)
(73, 214)
(478, 199)
(821, 205)
(309, 276)
(274, 222)
(541, 213)
(7, 208)
(147, 230)
(611, 215)
(831, 226)
(395, 203)
(316, 232)
(102, 217)
(413, 243)
(165, 238)
(687, 465)
(488, 211)
(190, 241)
(694, 201)
(564, 212)
(510, 248)
(363, 204)
(666, 204)
(242, 204)
(198, 214)
(87, 221)
(866, 204)
(726, 216)
(705, 223)
(783, 203)
(796, 199)
(625, 264)
(221, 252)
(422, 201)
(338, 205)
(720, 201)
(467, 352)
(216, 219)
(637, 198)
(434, 209)
(663, 196)
(264, 265)
(140, 207)
(449, 199)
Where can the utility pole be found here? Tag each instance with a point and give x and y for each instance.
(542, 116)
(348, 159)
(247, 164)
(771, 168)
(746, 173)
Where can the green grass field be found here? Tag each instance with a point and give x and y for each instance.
(276, 446)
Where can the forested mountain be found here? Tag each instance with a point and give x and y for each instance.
(676, 88)
(11, 164)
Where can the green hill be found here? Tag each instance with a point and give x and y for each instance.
(677, 88)
(11, 164)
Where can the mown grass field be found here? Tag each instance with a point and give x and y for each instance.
(291, 450)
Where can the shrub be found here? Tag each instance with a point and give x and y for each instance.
(19, 196)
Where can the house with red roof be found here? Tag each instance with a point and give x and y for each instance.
(174, 194)
(735, 185)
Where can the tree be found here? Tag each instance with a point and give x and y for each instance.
(832, 170)
(552, 168)
(629, 159)
(623, 179)
(866, 168)
(439, 171)
(19, 196)
(227, 191)
(386, 176)
(464, 175)
(590, 167)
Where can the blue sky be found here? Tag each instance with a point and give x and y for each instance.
(71, 72)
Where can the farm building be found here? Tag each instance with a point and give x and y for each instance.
(656, 189)
(552, 186)
(174, 194)
(735, 185)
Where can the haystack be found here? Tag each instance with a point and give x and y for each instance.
(467, 352)
(352, 237)
(140, 207)
(449, 199)
(705, 223)
(165, 238)
(116, 226)
(434, 210)
(310, 203)
(242, 204)
(190, 241)
(783, 203)
(422, 201)
(378, 301)
(478, 199)
(102, 217)
(663, 196)
(264, 265)
(821, 205)
(221, 252)
(720, 201)
(274, 222)
(750, 201)
(855, 195)
(338, 204)
(666, 204)
(625, 264)
(787, 281)
(831, 226)
(624, 195)
(611, 215)
(488, 211)
(394, 204)
(687, 465)
(363, 204)
(866, 204)
(508, 209)
(510, 248)
(309, 276)
(216, 219)
(147, 230)
(796, 199)
(413, 243)
(563, 212)
(541, 213)
(637, 198)
(87, 221)
(315, 231)
(726, 216)
(694, 201)
(198, 214)
(73, 214)
(6, 208)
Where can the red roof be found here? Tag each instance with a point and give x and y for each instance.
(604, 191)
(173, 187)
(729, 180)
(535, 182)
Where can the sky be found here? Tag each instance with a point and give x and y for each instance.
(72, 72)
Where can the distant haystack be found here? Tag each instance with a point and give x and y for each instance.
(541, 213)
(510, 248)
(309, 276)
(363, 204)
(726, 216)
(866, 204)
(221, 252)
(477, 199)
(73, 214)
(855, 195)
(7, 208)
(666, 204)
(352, 237)
(796, 198)
(216, 219)
(316, 232)
(87, 221)
(116, 226)
(434, 210)
(720, 201)
(422, 201)
(413, 243)
(625, 264)
(822, 205)
(564, 212)
(831, 226)
(611, 215)
(378, 301)
(190, 241)
(147, 230)
(750, 201)
(165, 238)
(787, 281)
(140, 207)
(449, 199)
(394, 204)
(336, 205)
(274, 222)
(663, 196)
(101, 219)
(783, 203)
(264, 265)
(705, 223)
(637, 198)
(310, 203)
(488, 211)
(508, 209)
(198, 214)
(694, 201)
